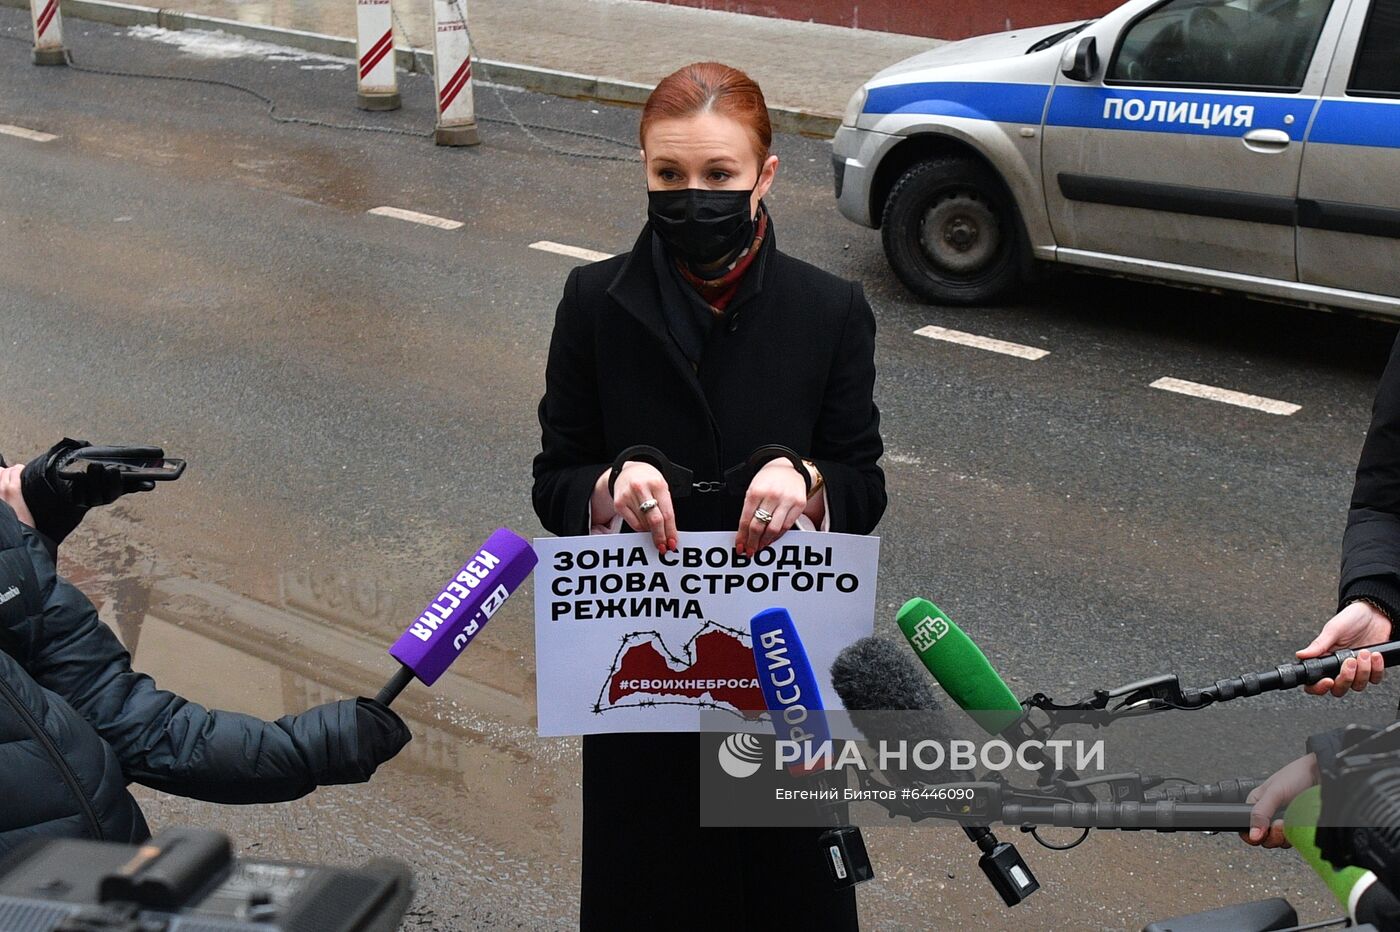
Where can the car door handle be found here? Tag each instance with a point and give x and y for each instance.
(1267, 140)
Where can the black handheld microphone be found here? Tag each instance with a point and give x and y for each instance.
(875, 675)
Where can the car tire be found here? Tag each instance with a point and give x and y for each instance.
(951, 232)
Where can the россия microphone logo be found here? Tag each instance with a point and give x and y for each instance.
(740, 755)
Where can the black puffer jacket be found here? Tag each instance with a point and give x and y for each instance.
(77, 724)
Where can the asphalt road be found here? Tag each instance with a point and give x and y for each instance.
(356, 395)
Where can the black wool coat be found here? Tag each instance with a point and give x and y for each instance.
(792, 363)
(1371, 546)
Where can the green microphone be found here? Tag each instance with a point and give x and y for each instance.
(959, 665)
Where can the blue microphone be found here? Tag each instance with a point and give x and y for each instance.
(793, 699)
(789, 685)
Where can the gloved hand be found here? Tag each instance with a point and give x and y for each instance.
(58, 504)
(382, 734)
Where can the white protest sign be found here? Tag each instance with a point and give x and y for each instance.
(631, 640)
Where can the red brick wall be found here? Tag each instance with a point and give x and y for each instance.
(942, 19)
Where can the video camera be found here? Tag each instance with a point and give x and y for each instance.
(188, 880)
(1359, 823)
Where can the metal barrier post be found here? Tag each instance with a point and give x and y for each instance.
(48, 33)
(452, 72)
(378, 81)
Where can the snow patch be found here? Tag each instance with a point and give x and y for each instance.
(204, 43)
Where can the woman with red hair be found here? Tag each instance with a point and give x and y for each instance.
(704, 346)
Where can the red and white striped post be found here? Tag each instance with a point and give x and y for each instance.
(378, 80)
(48, 33)
(452, 70)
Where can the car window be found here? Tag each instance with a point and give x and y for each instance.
(1222, 43)
(1377, 68)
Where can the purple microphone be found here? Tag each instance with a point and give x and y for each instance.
(460, 611)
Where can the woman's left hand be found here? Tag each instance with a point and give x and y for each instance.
(780, 491)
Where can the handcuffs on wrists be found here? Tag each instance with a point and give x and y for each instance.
(681, 481)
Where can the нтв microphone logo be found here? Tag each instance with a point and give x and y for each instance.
(927, 632)
(740, 755)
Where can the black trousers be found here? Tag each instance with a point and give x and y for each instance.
(648, 865)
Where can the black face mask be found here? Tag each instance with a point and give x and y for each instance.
(702, 226)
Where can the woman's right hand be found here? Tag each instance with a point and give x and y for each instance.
(637, 483)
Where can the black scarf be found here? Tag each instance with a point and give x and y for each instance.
(690, 321)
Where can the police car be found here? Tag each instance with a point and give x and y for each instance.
(1248, 145)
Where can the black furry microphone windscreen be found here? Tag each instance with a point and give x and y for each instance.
(889, 697)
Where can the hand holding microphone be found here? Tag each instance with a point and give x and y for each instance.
(1277, 792)
(456, 616)
(1358, 625)
(429, 646)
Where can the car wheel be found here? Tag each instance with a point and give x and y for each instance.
(951, 232)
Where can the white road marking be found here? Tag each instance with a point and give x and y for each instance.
(1227, 396)
(33, 135)
(413, 216)
(984, 343)
(573, 252)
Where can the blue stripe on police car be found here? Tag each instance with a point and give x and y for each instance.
(1358, 123)
(973, 100)
(1341, 122)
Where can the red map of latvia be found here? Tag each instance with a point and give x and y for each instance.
(723, 669)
